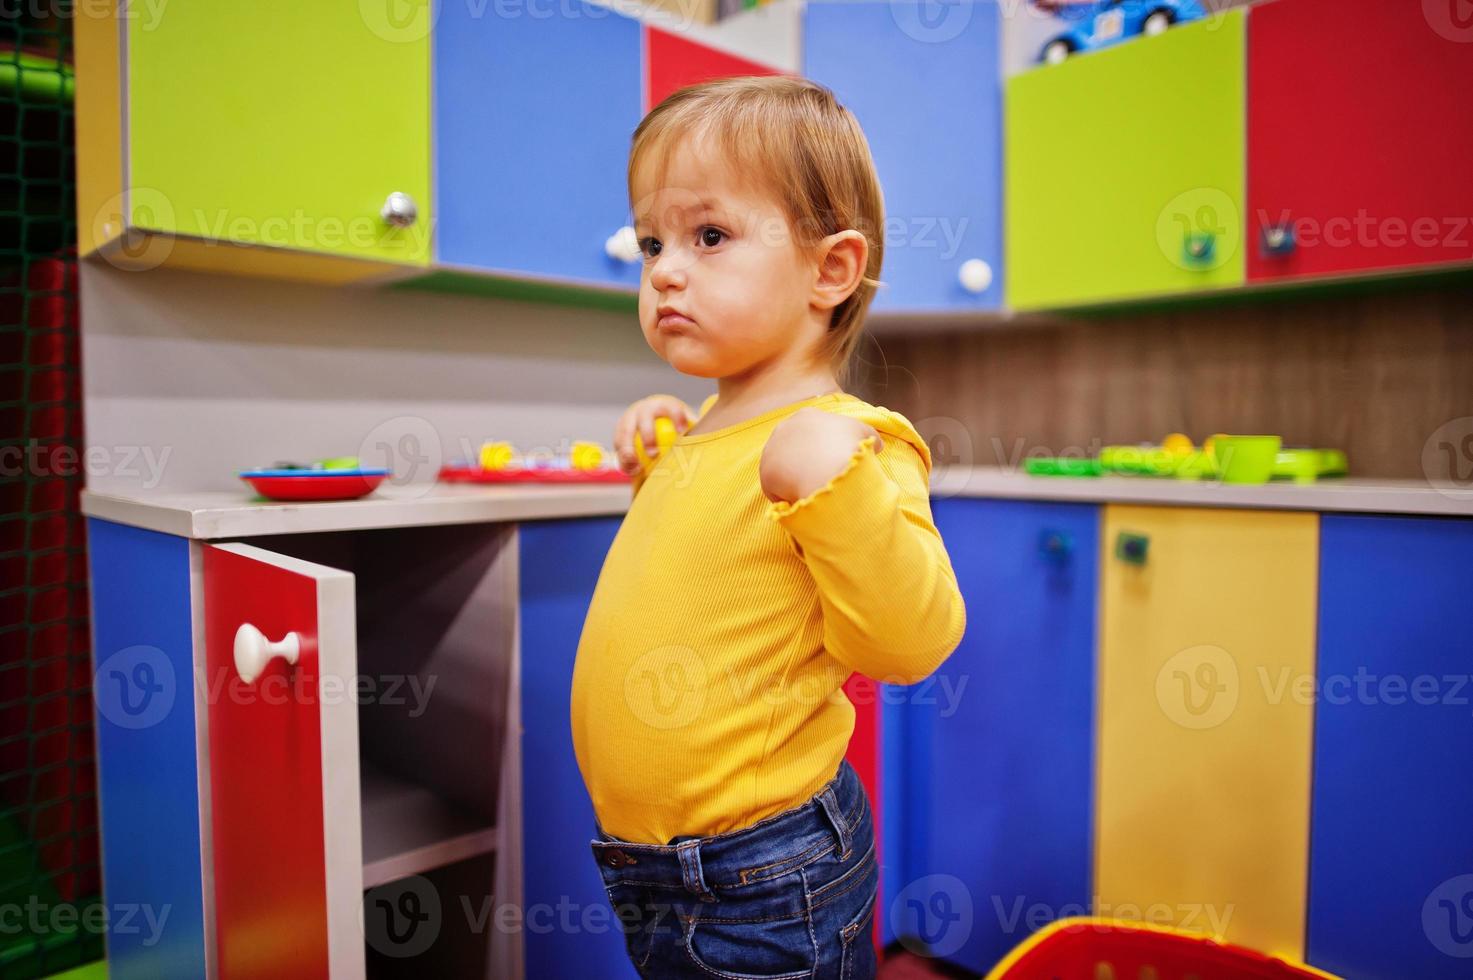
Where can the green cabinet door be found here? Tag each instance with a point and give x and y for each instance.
(281, 123)
(1124, 175)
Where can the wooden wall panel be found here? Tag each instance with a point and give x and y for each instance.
(1375, 375)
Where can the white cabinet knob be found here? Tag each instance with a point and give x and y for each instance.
(253, 651)
(975, 276)
(623, 245)
(399, 210)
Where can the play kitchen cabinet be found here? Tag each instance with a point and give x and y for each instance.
(533, 116)
(303, 746)
(1354, 138)
(1207, 619)
(989, 773)
(1391, 869)
(297, 131)
(535, 186)
(926, 89)
(1124, 170)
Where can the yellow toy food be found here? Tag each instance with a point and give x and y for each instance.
(586, 455)
(497, 455)
(664, 437)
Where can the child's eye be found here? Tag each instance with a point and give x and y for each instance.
(711, 237)
(649, 247)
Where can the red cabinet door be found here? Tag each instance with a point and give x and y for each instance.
(1359, 135)
(673, 62)
(287, 830)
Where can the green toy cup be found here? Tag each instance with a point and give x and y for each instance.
(1245, 459)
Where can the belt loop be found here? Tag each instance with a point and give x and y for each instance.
(689, 853)
(830, 804)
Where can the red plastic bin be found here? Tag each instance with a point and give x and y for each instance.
(1087, 948)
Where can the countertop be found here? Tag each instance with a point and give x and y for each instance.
(231, 514)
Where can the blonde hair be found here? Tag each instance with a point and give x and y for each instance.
(791, 137)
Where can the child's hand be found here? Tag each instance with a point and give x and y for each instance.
(806, 450)
(640, 417)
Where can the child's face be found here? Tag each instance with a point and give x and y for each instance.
(723, 255)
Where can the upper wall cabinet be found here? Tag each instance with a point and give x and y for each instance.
(533, 116)
(1358, 137)
(300, 127)
(926, 91)
(1125, 169)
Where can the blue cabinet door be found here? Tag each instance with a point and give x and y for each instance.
(989, 763)
(560, 562)
(1391, 841)
(922, 79)
(533, 115)
(148, 758)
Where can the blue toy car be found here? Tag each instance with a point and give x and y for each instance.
(1101, 23)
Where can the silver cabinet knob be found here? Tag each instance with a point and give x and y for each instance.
(399, 210)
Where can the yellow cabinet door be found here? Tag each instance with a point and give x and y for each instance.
(1207, 640)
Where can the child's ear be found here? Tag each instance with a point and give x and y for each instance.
(842, 259)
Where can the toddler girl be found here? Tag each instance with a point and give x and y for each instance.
(781, 543)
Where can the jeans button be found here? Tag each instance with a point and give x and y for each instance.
(615, 858)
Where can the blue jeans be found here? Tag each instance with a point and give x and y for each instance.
(790, 897)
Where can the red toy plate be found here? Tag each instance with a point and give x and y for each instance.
(347, 487)
(472, 474)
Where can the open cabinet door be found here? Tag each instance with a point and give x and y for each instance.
(284, 790)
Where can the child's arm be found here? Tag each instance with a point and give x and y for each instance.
(891, 606)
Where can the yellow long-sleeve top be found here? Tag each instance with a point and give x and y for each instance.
(707, 691)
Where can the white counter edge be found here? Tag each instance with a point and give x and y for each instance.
(219, 514)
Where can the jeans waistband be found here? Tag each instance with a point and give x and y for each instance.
(773, 846)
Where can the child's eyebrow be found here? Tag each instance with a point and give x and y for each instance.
(706, 206)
